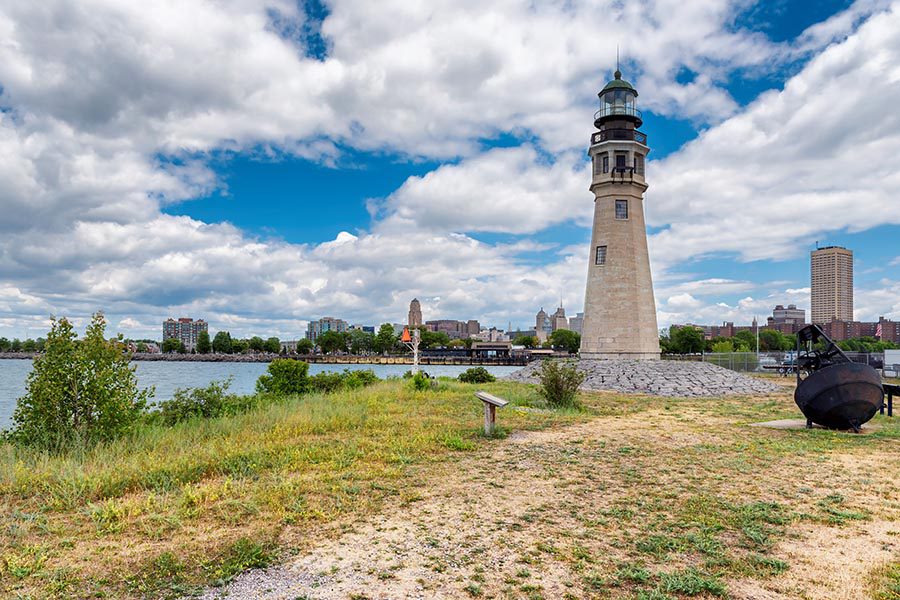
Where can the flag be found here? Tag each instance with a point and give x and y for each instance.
(878, 330)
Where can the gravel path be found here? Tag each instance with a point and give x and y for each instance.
(659, 378)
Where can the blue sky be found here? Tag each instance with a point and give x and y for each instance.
(260, 164)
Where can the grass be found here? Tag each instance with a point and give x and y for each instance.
(196, 503)
(661, 498)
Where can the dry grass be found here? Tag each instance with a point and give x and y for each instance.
(654, 499)
(198, 502)
(384, 490)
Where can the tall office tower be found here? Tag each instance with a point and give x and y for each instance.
(831, 284)
(415, 313)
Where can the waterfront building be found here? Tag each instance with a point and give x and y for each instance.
(491, 335)
(831, 284)
(787, 320)
(316, 328)
(364, 328)
(619, 307)
(454, 329)
(415, 314)
(186, 330)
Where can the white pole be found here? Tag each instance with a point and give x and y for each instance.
(415, 348)
(756, 322)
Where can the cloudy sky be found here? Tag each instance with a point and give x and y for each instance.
(262, 163)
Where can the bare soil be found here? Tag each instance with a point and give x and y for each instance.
(568, 513)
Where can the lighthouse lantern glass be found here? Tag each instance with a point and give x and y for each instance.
(618, 102)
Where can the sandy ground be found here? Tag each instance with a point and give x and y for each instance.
(508, 521)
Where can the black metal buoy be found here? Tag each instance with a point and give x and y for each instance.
(833, 391)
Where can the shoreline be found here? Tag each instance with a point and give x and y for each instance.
(311, 359)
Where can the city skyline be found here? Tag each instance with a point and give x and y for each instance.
(314, 168)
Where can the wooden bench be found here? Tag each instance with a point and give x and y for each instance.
(491, 404)
(889, 390)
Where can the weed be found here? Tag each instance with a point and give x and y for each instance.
(691, 582)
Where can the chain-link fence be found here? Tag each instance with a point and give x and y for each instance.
(767, 361)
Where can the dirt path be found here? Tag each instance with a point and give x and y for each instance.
(554, 514)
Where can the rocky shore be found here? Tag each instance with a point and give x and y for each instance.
(659, 378)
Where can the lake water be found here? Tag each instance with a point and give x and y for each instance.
(169, 376)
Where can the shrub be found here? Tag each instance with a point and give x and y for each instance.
(79, 392)
(421, 381)
(476, 375)
(560, 382)
(285, 376)
(358, 379)
(326, 382)
(207, 403)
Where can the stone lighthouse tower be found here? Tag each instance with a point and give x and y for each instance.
(619, 307)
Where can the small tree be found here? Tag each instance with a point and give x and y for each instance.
(273, 345)
(285, 376)
(361, 341)
(529, 341)
(476, 375)
(256, 344)
(304, 346)
(687, 340)
(385, 340)
(331, 341)
(560, 383)
(565, 339)
(221, 344)
(171, 345)
(204, 346)
(79, 392)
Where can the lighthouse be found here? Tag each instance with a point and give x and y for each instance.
(619, 307)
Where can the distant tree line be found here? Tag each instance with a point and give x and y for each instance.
(561, 339)
(690, 340)
(17, 345)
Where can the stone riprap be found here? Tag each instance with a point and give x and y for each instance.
(659, 378)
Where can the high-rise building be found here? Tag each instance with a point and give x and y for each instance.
(787, 320)
(415, 313)
(558, 319)
(619, 307)
(185, 330)
(831, 284)
(543, 325)
(317, 328)
(576, 323)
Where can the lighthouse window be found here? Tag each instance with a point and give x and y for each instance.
(601, 255)
(621, 209)
(606, 163)
(639, 164)
(620, 161)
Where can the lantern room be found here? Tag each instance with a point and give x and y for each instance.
(617, 103)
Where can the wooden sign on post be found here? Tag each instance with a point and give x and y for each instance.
(491, 404)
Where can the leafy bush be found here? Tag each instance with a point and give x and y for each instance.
(79, 392)
(560, 382)
(476, 375)
(207, 403)
(359, 379)
(326, 382)
(285, 376)
(421, 381)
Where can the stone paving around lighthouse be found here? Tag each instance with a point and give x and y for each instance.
(659, 378)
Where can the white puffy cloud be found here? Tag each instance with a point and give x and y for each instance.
(110, 110)
(815, 157)
(511, 190)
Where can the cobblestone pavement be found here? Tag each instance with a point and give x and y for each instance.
(659, 378)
